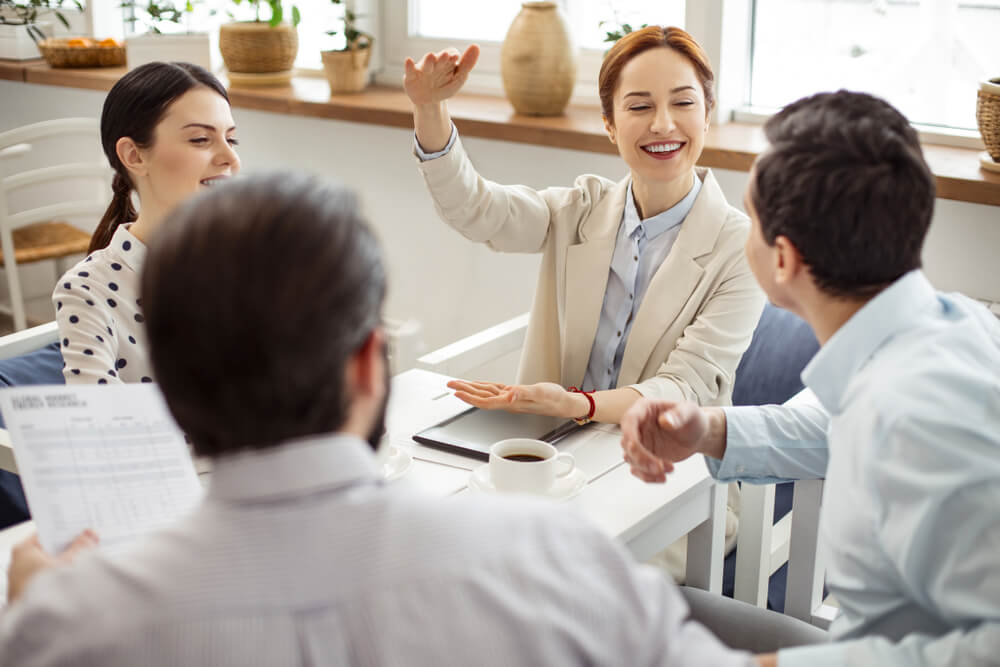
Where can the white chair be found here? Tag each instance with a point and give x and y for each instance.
(465, 357)
(763, 546)
(72, 185)
(19, 344)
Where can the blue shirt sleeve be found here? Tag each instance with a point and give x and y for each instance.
(425, 156)
(774, 443)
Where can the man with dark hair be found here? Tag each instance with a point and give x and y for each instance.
(263, 300)
(907, 428)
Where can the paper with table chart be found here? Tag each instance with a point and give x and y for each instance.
(106, 457)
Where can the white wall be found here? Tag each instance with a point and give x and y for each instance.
(454, 287)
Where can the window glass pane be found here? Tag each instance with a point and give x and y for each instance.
(488, 21)
(926, 57)
(464, 20)
(587, 17)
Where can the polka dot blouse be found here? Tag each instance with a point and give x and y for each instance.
(99, 313)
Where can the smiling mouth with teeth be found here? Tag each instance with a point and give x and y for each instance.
(662, 148)
(211, 181)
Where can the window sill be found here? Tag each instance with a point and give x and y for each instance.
(730, 146)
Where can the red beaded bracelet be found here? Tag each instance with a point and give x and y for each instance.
(593, 406)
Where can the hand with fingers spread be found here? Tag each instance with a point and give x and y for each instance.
(656, 434)
(544, 398)
(438, 76)
(29, 558)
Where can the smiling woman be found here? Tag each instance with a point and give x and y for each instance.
(644, 289)
(168, 131)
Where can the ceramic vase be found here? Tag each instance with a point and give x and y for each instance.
(538, 60)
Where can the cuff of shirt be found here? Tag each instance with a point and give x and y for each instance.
(818, 655)
(740, 428)
(424, 156)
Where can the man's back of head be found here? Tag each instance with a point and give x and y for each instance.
(256, 295)
(845, 181)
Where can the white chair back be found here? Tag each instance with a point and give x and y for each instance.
(73, 185)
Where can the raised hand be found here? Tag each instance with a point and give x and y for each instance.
(544, 398)
(438, 76)
(656, 434)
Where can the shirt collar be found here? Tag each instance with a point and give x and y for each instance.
(660, 223)
(303, 465)
(127, 247)
(893, 310)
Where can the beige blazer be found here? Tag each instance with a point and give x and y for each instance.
(695, 320)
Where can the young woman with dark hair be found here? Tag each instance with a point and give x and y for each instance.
(168, 132)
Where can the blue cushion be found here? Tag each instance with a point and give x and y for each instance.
(770, 370)
(769, 373)
(43, 366)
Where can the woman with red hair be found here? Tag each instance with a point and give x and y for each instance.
(644, 289)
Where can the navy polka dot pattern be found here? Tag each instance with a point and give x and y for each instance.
(94, 327)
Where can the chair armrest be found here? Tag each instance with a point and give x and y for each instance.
(28, 340)
(458, 358)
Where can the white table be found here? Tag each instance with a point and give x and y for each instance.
(645, 517)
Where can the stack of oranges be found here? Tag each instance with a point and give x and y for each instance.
(87, 42)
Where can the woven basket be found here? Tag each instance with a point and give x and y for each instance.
(256, 47)
(988, 116)
(347, 71)
(58, 53)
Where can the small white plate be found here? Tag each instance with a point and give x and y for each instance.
(396, 463)
(563, 489)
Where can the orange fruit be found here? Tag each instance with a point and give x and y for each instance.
(76, 42)
(107, 42)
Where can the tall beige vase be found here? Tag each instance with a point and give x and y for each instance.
(538, 60)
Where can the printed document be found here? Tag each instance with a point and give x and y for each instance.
(106, 457)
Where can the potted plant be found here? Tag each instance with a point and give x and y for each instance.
(21, 29)
(347, 67)
(260, 47)
(165, 38)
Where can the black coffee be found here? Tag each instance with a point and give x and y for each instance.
(524, 457)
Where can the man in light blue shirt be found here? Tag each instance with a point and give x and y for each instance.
(906, 430)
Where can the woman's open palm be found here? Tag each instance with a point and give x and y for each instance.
(438, 76)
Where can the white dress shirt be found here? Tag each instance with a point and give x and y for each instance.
(99, 314)
(909, 399)
(301, 555)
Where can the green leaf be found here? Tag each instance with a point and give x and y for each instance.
(62, 19)
(296, 15)
(277, 13)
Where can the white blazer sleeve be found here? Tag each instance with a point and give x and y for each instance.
(508, 218)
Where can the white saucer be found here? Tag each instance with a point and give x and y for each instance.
(563, 489)
(396, 463)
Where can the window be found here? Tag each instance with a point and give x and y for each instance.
(926, 57)
(488, 21)
(414, 27)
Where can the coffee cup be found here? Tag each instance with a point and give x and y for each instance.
(524, 465)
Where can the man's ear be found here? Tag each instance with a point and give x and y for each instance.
(368, 366)
(788, 262)
(609, 127)
(130, 155)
